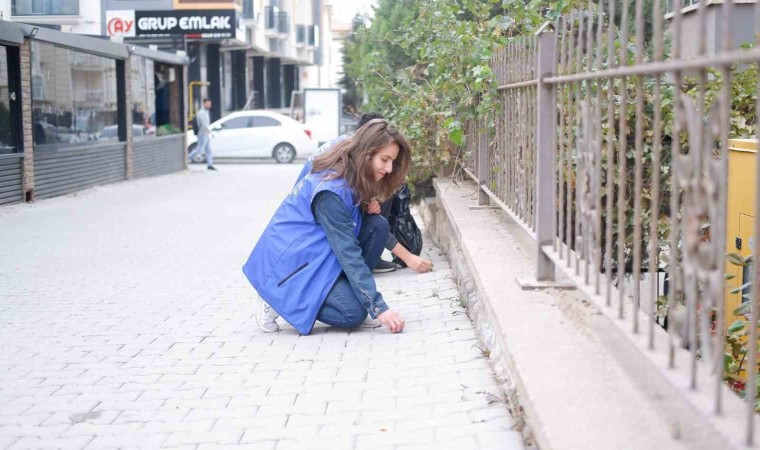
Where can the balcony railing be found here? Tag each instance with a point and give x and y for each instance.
(45, 7)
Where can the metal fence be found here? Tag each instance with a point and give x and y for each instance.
(612, 151)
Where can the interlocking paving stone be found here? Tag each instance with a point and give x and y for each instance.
(125, 321)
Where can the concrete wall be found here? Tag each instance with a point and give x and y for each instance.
(580, 381)
(742, 29)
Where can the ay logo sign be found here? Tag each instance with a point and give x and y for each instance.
(120, 23)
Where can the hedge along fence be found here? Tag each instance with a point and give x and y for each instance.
(612, 150)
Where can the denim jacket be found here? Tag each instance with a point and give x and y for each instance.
(332, 215)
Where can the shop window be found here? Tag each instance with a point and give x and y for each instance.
(45, 7)
(143, 107)
(74, 99)
(8, 105)
(248, 9)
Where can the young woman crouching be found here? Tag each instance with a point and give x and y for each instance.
(314, 260)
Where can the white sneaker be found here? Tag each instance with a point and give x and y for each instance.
(265, 315)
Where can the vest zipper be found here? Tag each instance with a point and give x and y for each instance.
(291, 274)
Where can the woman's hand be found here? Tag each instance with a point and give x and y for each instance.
(419, 265)
(391, 320)
(373, 207)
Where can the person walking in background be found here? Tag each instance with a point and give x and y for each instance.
(204, 135)
(314, 259)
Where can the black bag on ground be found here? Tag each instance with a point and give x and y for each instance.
(402, 224)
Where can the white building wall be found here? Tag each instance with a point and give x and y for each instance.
(88, 21)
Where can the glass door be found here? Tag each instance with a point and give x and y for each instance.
(10, 98)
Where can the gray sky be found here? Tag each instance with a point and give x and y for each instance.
(345, 10)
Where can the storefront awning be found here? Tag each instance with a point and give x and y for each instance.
(10, 33)
(158, 56)
(78, 42)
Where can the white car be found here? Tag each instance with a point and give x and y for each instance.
(257, 134)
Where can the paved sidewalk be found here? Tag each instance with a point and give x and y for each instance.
(125, 322)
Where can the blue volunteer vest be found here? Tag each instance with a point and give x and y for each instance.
(292, 265)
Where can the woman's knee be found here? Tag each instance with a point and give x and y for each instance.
(376, 224)
(355, 316)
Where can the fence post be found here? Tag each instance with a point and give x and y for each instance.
(546, 140)
(482, 161)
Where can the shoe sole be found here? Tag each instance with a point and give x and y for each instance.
(275, 329)
(392, 269)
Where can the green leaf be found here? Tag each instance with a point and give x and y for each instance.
(729, 277)
(741, 288)
(743, 309)
(727, 360)
(737, 326)
(456, 136)
(736, 259)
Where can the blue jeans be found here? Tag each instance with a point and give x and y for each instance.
(342, 308)
(203, 147)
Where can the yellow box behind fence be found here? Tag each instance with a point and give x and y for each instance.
(740, 216)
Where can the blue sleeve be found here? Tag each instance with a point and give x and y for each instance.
(333, 216)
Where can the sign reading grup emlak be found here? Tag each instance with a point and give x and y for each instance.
(194, 24)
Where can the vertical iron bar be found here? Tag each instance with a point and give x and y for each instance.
(532, 96)
(720, 231)
(503, 133)
(654, 248)
(561, 231)
(484, 166)
(521, 132)
(569, 142)
(638, 167)
(510, 123)
(587, 177)
(675, 188)
(699, 160)
(577, 89)
(751, 387)
(622, 163)
(610, 150)
(598, 63)
(546, 117)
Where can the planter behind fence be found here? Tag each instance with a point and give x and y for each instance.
(614, 158)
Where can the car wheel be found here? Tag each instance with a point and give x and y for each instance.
(284, 153)
(196, 158)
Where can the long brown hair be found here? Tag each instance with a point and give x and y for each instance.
(350, 159)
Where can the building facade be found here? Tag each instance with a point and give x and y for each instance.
(243, 53)
(77, 111)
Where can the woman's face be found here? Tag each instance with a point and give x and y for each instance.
(382, 161)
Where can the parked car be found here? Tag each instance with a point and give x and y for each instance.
(257, 134)
(112, 132)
